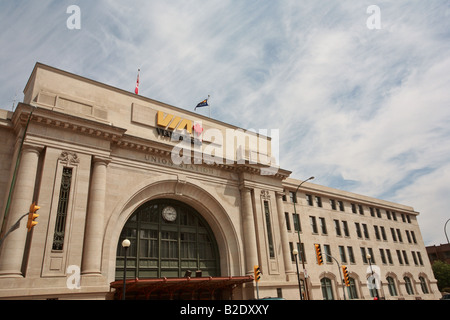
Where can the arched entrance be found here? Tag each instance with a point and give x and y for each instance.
(168, 239)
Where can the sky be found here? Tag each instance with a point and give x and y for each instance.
(360, 95)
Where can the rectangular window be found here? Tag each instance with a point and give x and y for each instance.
(345, 227)
(389, 256)
(327, 251)
(296, 219)
(288, 222)
(358, 230)
(399, 235)
(337, 226)
(313, 224)
(366, 232)
(351, 256)
(383, 233)
(341, 205)
(309, 199)
(323, 226)
(364, 255)
(61, 214)
(342, 254)
(383, 257)
(269, 229)
(333, 204)
(292, 197)
(318, 201)
(377, 233)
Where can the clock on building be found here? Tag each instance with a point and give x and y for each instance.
(169, 214)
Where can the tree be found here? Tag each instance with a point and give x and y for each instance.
(441, 272)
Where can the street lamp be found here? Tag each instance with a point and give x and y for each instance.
(125, 244)
(295, 253)
(368, 256)
(302, 254)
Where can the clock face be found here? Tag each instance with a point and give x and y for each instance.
(169, 213)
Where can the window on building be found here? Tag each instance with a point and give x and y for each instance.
(405, 257)
(383, 256)
(399, 256)
(377, 232)
(358, 230)
(269, 229)
(391, 286)
(288, 221)
(378, 212)
(389, 256)
(327, 289)
(318, 201)
(419, 256)
(353, 208)
(323, 226)
(351, 256)
(333, 204)
(413, 237)
(383, 233)
(408, 285)
(301, 252)
(342, 254)
(372, 256)
(309, 200)
(399, 235)
(337, 227)
(423, 285)
(341, 205)
(61, 213)
(366, 231)
(394, 236)
(360, 209)
(313, 224)
(352, 292)
(328, 254)
(364, 255)
(296, 219)
(345, 228)
(292, 197)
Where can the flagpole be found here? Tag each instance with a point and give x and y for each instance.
(209, 105)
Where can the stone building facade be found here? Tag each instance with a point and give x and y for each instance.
(99, 161)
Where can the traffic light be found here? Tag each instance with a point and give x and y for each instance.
(318, 254)
(346, 278)
(32, 215)
(257, 273)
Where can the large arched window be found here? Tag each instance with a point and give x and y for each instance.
(167, 238)
(391, 286)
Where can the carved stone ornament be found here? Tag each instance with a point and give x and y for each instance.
(265, 194)
(69, 158)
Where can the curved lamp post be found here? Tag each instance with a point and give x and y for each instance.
(302, 254)
(125, 244)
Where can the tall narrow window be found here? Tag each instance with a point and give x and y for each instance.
(269, 229)
(61, 214)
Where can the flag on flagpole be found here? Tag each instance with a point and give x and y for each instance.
(137, 83)
(204, 103)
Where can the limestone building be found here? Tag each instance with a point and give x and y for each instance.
(200, 201)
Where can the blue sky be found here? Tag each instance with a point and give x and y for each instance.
(364, 110)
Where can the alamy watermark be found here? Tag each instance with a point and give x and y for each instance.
(74, 20)
(74, 277)
(373, 281)
(232, 146)
(374, 20)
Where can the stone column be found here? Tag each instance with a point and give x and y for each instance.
(93, 237)
(13, 247)
(248, 225)
(283, 233)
